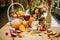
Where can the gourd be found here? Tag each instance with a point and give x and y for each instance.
(22, 27)
(15, 23)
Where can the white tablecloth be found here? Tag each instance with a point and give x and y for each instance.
(54, 22)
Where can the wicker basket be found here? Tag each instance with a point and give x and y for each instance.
(8, 15)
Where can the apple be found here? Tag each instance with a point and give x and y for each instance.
(14, 15)
(42, 29)
(18, 16)
(17, 13)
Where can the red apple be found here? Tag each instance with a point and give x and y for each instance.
(42, 29)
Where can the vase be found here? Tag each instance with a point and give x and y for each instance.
(48, 18)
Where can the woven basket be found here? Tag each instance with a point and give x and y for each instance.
(8, 10)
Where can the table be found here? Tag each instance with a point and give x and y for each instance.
(5, 28)
(27, 37)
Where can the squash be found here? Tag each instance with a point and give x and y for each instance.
(15, 23)
(22, 28)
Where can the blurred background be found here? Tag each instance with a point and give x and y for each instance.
(4, 4)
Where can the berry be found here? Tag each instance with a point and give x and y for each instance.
(6, 33)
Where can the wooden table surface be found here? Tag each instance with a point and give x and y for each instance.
(6, 28)
(54, 26)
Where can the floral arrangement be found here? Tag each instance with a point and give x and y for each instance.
(38, 11)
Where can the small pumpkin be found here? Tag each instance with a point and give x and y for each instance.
(22, 27)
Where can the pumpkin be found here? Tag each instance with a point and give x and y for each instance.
(22, 27)
(15, 23)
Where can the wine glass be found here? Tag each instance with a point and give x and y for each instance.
(26, 17)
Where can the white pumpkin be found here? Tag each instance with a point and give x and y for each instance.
(15, 23)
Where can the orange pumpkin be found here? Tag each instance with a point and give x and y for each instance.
(22, 27)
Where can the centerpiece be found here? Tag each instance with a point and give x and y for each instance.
(32, 21)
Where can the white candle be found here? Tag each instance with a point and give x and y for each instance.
(34, 25)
